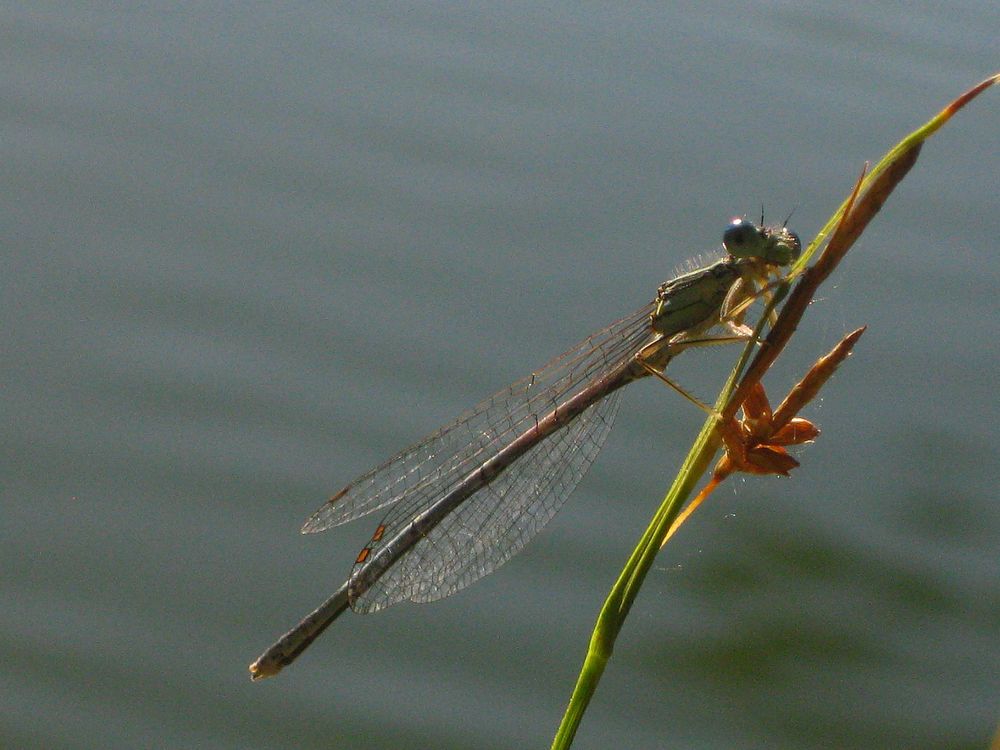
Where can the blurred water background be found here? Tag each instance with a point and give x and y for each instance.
(251, 250)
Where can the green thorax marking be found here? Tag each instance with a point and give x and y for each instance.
(693, 298)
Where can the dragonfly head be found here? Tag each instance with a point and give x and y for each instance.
(776, 245)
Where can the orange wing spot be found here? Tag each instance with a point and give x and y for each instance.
(363, 555)
(377, 536)
(340, 494)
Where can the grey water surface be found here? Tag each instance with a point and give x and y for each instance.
(251, 250)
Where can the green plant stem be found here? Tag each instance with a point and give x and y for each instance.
(626, 588)
(847, 223)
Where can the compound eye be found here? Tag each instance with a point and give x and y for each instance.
(796, 243)
(738, 235)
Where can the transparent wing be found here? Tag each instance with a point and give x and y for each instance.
(425, 471)
(495, 523)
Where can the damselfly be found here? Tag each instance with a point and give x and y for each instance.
(468, 497)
